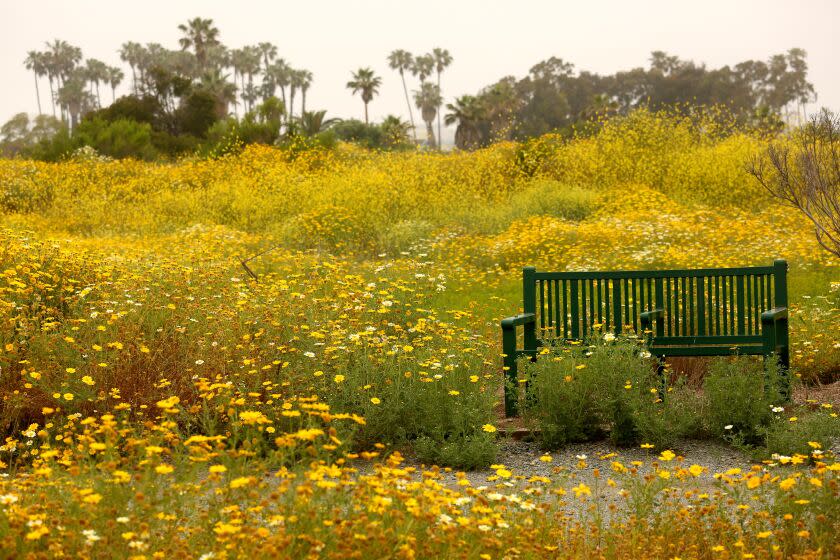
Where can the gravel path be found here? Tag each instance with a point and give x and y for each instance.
(523, 458)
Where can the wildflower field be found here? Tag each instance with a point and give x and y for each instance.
(266, 354)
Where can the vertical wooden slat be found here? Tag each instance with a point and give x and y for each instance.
(684, 311)
(616, 305)
(541, 286)
(660, 298)
(668, 314)
(717, 305)
(750, 313)
(600, 304)
(691, 310)
(742, 325)
(769, 303)
(573, 303)
(558, 318)
(565, 310)
(701, 306)
(626, 301)
(591, 303)
(733, 310)
(584, 322)
(550, 301)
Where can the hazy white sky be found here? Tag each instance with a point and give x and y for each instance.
(489, 39)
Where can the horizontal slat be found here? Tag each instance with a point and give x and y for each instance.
(622, 274)
(731, 340)
(705, 350)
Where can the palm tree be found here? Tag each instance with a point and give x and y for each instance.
(311, 123)
(221, 89)
(61, 61)
(442, 61)
(250, 66)
(367, 83)
(96, 71)
(132, 53)
(200, 34)
(396, 131)
(428, 99)
(268, 53)
(280, 74)
(73, 97)
(401, 61)
(305, 80)
(115, 77)
(468, 112)
(35, 61)
(423, 66)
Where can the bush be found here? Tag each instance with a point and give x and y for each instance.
(118, 139)
(738, 401)
(786, 437)
(582, 392)
(440, 415)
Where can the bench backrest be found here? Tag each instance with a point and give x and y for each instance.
(720, 302)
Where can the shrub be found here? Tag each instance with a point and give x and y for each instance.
(441, 415)
(738, 400)
(789, 437)
(580, 392)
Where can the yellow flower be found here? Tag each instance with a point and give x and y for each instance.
(338, 378)
(168, 403)
(241, 481)
(695, 470)
(581, 490)
(454, 393)
(546, 458)
(489, 428)
(251, 417)
(504, 473)
(764, 534)
(92, 498)
(667, 455)
(88, 380)
(218, 468)
(375, 400)
(787, 483)
(164, 469)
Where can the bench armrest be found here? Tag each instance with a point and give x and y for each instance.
(516, 320)
(647, 318)
(652, 315)
(775, 314)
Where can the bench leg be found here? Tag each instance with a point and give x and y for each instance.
(509, 368)
(660, 373)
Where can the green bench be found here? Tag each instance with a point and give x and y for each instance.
(703, 312)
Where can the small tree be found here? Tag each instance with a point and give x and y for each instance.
(804, 172)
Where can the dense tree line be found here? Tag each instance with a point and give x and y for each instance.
(553, 97)
(204, 95)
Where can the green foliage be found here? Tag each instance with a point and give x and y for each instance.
(580, 392)
(142, 109)
(789, 437)
(739, 405)
(442, 419)
(197, 113)
(118, 139)
(368, 135)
